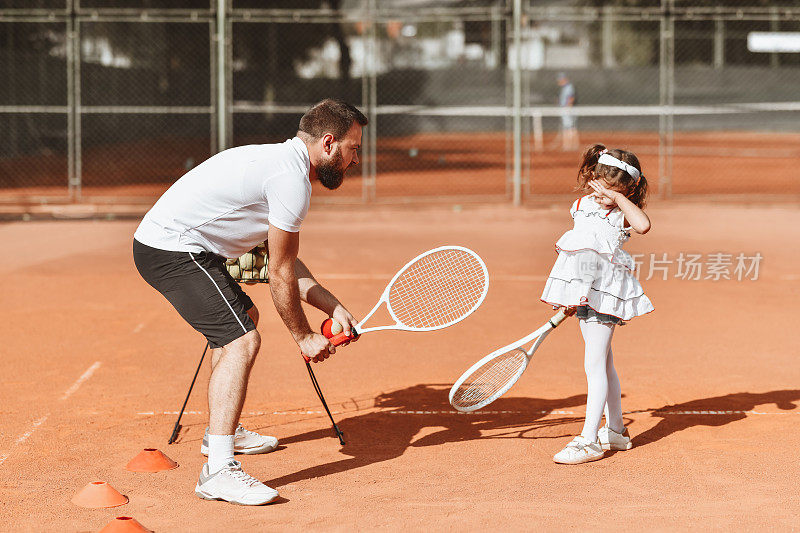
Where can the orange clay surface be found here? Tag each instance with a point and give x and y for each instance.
(469, 165)
(95, 364)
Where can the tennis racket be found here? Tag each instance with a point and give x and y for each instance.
(492, 376)
(436, 289)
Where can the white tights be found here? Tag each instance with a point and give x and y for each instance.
(605, 393)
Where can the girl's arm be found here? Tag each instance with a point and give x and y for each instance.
(634, 215)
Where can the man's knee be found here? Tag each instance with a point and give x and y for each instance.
(245, 347)
(253, 342)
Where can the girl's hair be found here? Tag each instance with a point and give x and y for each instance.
(616, 178)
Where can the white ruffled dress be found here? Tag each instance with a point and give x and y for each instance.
(592, 268)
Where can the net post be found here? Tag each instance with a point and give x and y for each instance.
(538, 133)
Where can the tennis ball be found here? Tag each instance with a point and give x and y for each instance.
(247, 261)
(232, 262)
(259, 262)
(263, 273)
(235, 271)
(331, 327)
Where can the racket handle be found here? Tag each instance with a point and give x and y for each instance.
(558, 318)
(341, 338)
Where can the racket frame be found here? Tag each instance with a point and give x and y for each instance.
(541, 333)
(341, 338)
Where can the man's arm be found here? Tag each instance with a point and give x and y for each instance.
(283, 283)
(315, 294)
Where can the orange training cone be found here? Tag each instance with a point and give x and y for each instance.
(151, 460)
(124, 524)
(99, 494)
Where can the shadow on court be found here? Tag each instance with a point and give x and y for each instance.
(682, 416)
(384, 435)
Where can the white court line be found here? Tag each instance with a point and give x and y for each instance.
(383, 277)
(22, 438)
(494, 277)
(652, 412)
(86, 375)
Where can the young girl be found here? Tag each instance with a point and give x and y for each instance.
(593, 277)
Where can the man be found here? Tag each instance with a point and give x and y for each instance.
(221, 209)
(566, 100)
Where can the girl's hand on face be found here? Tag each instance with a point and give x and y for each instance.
(602, 190)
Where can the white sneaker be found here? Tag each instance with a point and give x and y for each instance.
(246, 442)
(579, 450)
(232, 484)
(611, 440)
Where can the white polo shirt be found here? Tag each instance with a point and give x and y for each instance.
(226, 204)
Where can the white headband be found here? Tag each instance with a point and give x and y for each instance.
(610, 160)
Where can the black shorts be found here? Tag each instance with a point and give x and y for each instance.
(199, 287)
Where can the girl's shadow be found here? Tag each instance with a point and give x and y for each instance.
(714, 411)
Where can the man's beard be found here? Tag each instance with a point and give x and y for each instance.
(331, 173)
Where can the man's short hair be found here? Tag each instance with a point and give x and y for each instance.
(331, 116)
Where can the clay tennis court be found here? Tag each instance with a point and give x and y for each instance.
(96, 364)
(470, 166)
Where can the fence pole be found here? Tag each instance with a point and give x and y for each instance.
(671, 82)
(666, 86)
(366, 136)
(608, 38)
(77, 185)
(212, 80)
(719, 43)
(73, 181)
(373, 98)
(222, 122)
(517, 98)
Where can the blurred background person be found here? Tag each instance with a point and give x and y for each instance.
(566, 100)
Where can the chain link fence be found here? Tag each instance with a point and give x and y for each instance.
(112, 100)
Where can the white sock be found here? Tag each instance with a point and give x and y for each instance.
(597, 338)
(220, 452)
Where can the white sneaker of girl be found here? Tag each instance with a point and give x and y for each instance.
(611, 440)
(579, 450)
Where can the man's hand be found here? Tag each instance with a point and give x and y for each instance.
(315, 347)
(343, 317)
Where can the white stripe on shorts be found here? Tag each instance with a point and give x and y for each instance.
(219, 291)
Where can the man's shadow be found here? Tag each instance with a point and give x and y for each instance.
(384, 435)
(715, 411)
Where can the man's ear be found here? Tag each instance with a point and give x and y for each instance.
(327, 143)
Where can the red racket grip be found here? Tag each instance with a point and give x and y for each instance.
(339, 338)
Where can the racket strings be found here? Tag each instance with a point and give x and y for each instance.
(491, 379)
(439, 289)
